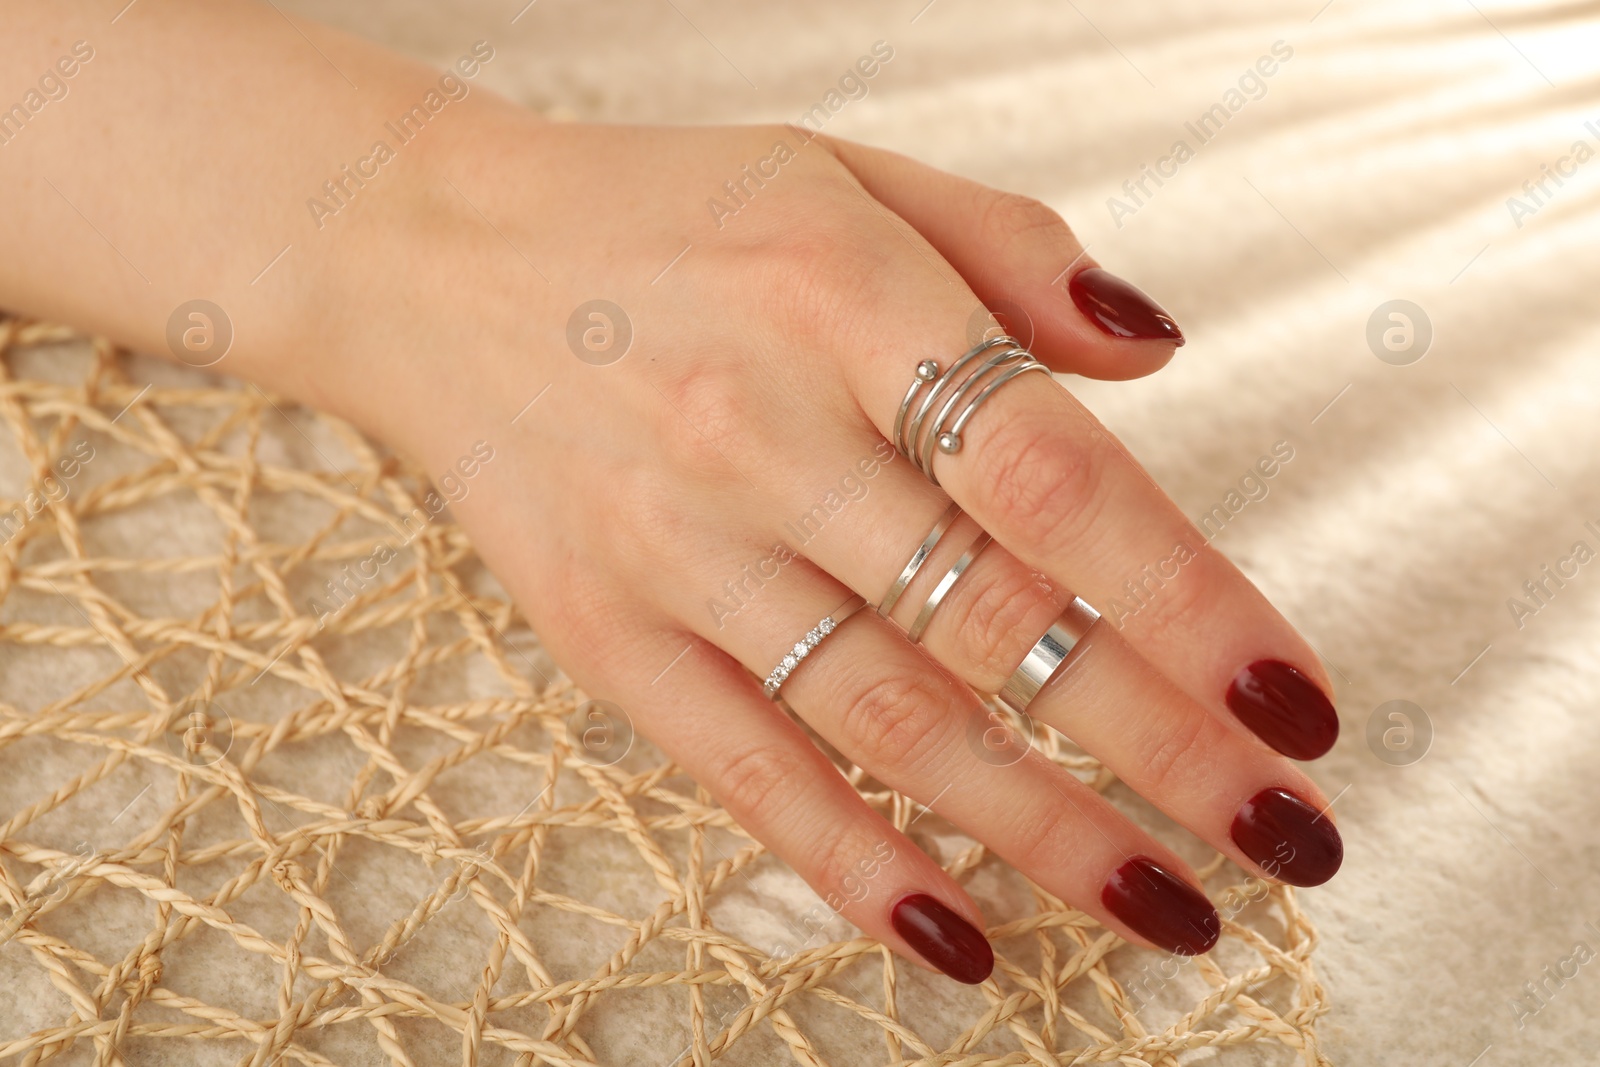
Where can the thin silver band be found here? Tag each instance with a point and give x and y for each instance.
(804, 647)
(950, 578)
(1048, 654)
(918, 558)
(927, 371)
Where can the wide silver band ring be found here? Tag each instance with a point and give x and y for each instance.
(807, 644)
(1047, 655)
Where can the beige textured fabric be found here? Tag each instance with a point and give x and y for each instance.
(1377, 165)
(282, 783)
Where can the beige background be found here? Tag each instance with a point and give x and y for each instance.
(1381, 159)
(1377, 166)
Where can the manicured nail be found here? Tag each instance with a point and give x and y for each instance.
(1284, 708)
(1289, 839)
(1121, 308)
(943, 938)
(1162, 907)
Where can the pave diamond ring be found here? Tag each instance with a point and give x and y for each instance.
(803, 647)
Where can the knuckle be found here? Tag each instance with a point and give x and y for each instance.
(1179, 748)
(994, 617)
(584, 609)
(897, 718)
(837, 862)
(1042, 834)
(804, 268)
(821, 278)
(705, 423)
(758, 783)
(1042, 485)
(1006, 216)
(1179, 605)
(647, 526)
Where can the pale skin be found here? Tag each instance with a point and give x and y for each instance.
(766, 364)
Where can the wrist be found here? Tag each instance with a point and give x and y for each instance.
(412, 317)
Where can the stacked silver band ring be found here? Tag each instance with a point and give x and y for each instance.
(909, 572)
(1044, 660)
(950, 578)
(916, 437)
(804, 647)
(918, 558)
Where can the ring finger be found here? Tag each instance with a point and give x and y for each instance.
(906, 721)
(979, 610)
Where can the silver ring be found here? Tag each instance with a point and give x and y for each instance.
(803, 647)
(916, 436)
(942, 434)
(950, 578)
(928, 371)
(918, 558)
(1047, 655)
(953, 434)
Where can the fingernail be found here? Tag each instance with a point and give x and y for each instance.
(1162, 907)
(1289, 839)
(1284, 708)
(943, 938)
(1121, 308)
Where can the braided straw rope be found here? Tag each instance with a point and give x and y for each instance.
(234, 829)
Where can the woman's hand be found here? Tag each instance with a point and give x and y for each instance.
(675, 513)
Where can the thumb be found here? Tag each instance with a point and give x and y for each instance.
(1017, 253)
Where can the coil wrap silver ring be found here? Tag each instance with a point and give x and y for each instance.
(916, 437)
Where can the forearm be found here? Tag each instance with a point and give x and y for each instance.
(218, 151)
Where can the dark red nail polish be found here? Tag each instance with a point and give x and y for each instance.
(1284, 708)
(1120, 308)
(943, 938)
(1289, 839)
(1165, 909)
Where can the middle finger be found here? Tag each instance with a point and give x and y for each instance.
(1202, 769)
(1040, 473)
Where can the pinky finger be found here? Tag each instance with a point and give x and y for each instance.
(710, 718)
